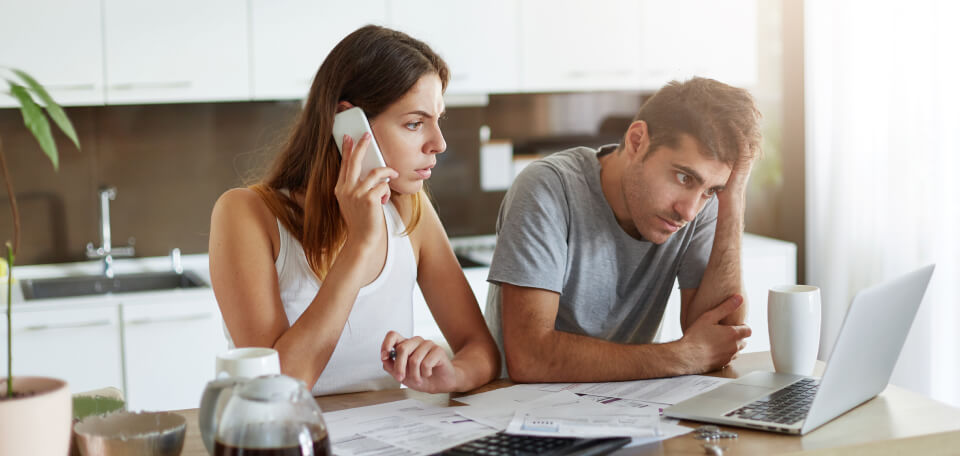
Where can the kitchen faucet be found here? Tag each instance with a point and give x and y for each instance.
(107, 252)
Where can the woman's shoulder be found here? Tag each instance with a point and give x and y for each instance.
(243, 205)
(241, 216)
(241, 201)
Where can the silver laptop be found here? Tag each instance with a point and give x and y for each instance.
(859, 368)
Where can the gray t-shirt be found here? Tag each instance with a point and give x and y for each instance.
(556, 231)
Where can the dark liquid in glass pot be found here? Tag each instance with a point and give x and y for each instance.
(250, 441)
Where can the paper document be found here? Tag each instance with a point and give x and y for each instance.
(616, 401)
(496, 408)
(400, 428)
(358, 444)
(568, 415)
(511, 395)
(660, 391)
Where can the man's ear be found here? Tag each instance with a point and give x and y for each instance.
(343, 106)
(637, 139)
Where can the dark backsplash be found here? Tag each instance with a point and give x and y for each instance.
(171, 162)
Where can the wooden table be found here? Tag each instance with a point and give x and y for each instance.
(895, 422)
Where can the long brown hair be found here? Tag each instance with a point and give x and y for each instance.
(372, 68)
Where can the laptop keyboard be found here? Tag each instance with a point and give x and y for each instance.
(506, 444)
(785, 406)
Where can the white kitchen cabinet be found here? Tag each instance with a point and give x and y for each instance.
(571, 45)
(423, 323)
(170, 344)
(478, 40)
(290, 38)
(684, 38)
(765, 262)
(77, 342)
(176, 51)
(59, 44)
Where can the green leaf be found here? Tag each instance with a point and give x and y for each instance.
(54, 109)
(84, 406)
(36, 122)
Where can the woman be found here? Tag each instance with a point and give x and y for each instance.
(319, 262)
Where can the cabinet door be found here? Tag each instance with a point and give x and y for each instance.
(766, 263)
(58, 43)
(170, 347)
(478, 40)
(575, 45)
(684, 38)
(290, 39)
(80, 345)
(176, 51)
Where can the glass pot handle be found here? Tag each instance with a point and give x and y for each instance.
(212, 403)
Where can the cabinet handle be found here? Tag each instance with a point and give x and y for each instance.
(152, 85)
(87, 324)
(147, 321)
(72, 87)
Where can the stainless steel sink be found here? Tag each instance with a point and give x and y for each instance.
(64, 287)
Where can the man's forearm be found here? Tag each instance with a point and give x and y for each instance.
(722, 276)
(557, 356)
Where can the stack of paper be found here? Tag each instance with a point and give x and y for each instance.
(411, 427)
(629, 407)
(406, 427)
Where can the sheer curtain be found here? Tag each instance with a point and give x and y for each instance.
(882, 88)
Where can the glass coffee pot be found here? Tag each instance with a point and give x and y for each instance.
(271, 415)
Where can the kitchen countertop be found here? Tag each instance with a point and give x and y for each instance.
(477, 251)
(196, 263)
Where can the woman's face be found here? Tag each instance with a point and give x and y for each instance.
(408, 133)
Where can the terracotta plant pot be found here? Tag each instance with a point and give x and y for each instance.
(38, 424)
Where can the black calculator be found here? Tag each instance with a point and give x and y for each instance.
(523, 445)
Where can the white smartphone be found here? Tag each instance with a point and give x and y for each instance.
(354, 122)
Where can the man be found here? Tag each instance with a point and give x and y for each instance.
(590, 242)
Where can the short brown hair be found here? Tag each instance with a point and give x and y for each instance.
(724, 119)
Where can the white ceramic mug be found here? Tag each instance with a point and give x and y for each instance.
(248, 362)
(793, 320)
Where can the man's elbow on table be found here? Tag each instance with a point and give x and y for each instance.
(525, 362)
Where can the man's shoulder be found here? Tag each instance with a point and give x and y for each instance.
(576, 160)
(568, 167)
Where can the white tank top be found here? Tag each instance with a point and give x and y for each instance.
(383, 305)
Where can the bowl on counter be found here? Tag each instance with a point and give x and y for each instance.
(130, 433)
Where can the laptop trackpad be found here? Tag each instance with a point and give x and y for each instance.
(742, 393)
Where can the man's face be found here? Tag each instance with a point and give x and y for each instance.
(666, 188)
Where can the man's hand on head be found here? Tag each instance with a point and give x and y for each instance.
(740, 171)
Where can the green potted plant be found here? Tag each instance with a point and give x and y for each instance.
(35, 411)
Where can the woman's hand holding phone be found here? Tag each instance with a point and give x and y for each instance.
(361, 197)
(420, 364)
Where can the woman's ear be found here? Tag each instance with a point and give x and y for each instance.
(343, 106)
